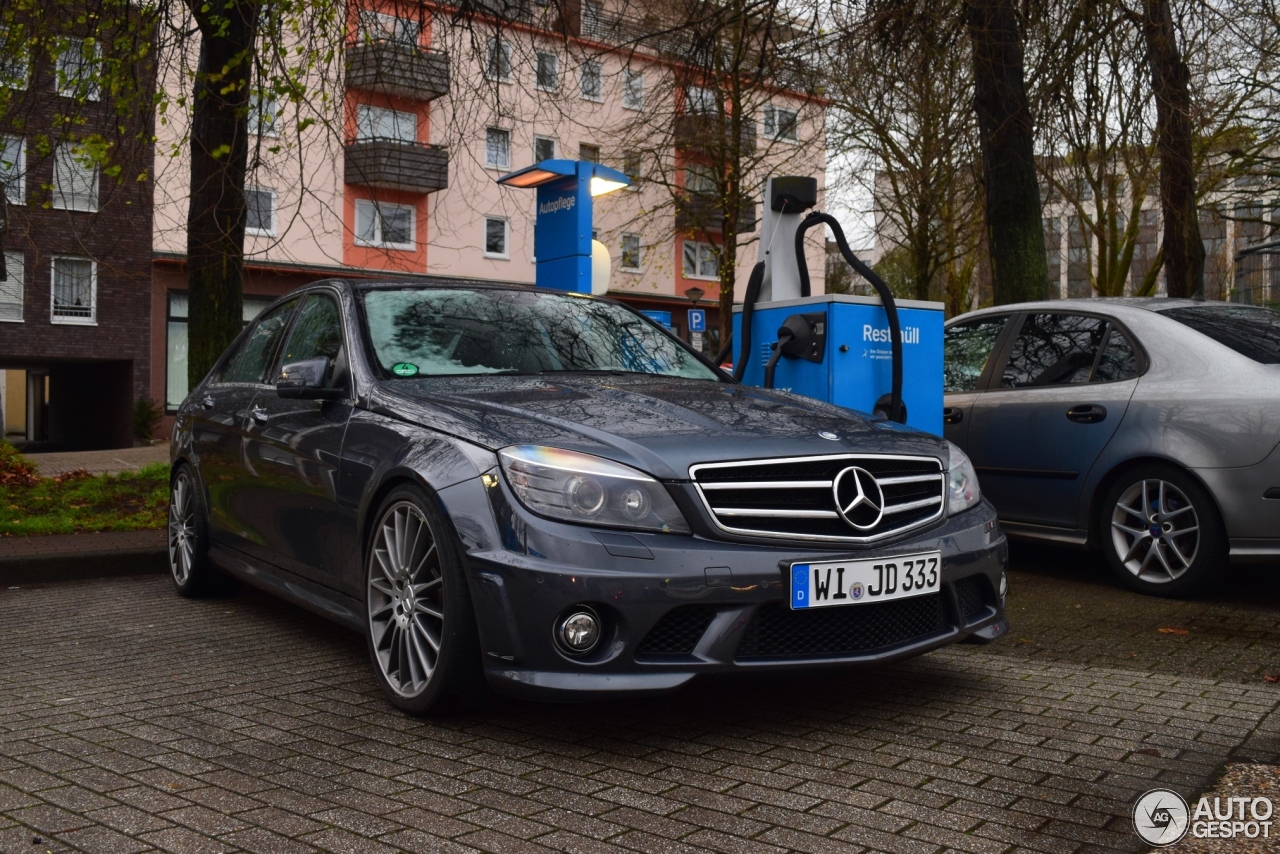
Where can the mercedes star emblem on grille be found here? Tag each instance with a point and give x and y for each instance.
(859, 499)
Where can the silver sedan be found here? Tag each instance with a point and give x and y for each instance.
(1147, 428)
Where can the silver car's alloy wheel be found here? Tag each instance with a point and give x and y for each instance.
(1155, 531)
(182, 528)
(405, 599)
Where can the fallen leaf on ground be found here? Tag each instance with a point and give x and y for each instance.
(1271, 677)
(1174, 631)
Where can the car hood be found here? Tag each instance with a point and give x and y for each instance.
(659, 425)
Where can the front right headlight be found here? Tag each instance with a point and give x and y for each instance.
(576, 487)
(962, 482)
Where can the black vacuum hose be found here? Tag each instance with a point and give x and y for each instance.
(890, 307)
(748, 312)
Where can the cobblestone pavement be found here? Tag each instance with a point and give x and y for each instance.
(131, 720)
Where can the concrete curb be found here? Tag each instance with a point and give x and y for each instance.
(74, 557)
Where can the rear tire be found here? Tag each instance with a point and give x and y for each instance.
(194, 576)
(420, 624)
(1162, 534)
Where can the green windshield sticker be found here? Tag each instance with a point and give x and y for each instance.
(404, 369)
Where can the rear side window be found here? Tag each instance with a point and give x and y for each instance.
(249, 363)
(1054, 349)
(968, 348)
(1118, 361)
(1252, 332)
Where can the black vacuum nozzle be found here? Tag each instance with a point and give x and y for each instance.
(796, 192)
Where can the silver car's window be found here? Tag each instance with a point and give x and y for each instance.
(1252, 332)
(1054, 349)
(1119, 361)
(447, 332)
(968, 347)
(249, 363)
(316, 332)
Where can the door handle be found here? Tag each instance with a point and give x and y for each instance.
(259, 414)
(1087, 413)
(207, 402)
(952, 415)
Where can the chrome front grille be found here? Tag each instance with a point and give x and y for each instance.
(795, 498)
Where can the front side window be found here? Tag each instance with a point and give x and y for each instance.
(1251, 332)
(592, 85)
(75, 286)
(780, 124)
(452, 332)
(380, 123)
(75, 179)
(544, 148)
(384, 224)
(13, 168)
(633, 90)
(1054, 349)
(547, 71)
(76, 67)
(250, 362)
(630, 252)
(497, 148)
(260, 211)
(11, 289)
(968, 348)
(317, 332)
(498, 61)
(701, 260)
(495, 237)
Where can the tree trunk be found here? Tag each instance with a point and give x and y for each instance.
(1019, 270)
(219, 154)
(1183, 251)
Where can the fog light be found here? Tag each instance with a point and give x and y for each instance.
(578, 632)
(1004, 585)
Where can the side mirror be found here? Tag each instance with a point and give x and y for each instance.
(305, 380)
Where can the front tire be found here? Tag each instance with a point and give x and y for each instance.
(193, 574)
(421, 628)
(1162, 534)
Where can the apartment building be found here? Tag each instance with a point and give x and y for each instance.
(75, 301)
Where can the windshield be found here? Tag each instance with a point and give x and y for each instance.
(1252, 332)
(448, 332)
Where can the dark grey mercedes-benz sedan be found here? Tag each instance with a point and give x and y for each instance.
(550, 493)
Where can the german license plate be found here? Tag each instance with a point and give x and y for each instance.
(854, 582)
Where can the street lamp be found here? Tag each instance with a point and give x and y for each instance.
(694, 294)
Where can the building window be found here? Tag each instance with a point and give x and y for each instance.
(75, 180)
(264, 109)
(378, 27)
(633, 167)
(76, 66)
(547, 71)
(700, 180)
(497, 148)
(498, 61)
(13, 168)
(13, 60)
(384, 225)
(11, 287)
(380, 123)
(631, 252)
(176, 361)
(633, 90)
(589, 153)
(496, 234)
(260, 211)
(544, 148)
(75, 287)
(592, 86)
(780, 124)
(592, 21)
(699, 101)
(701, 261)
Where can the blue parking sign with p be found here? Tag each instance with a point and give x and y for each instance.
(697, 320)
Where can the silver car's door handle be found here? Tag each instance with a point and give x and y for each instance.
(1087, 413)
(259, 414)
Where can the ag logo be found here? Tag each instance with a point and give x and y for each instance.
(1160, 817)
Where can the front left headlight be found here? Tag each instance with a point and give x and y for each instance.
(576, 487)
(962, 482)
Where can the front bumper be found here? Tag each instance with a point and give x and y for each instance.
(720, 607)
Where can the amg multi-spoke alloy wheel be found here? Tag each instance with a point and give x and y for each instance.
(422, 634)
(193, 575)
(1161, 532)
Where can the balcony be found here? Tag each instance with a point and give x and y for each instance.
(395, 165)
(698, 212)
(696, 132)
(511, 11)
(398, 69)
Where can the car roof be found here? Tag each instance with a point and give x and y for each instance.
(433, 283)
(1104, 304)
